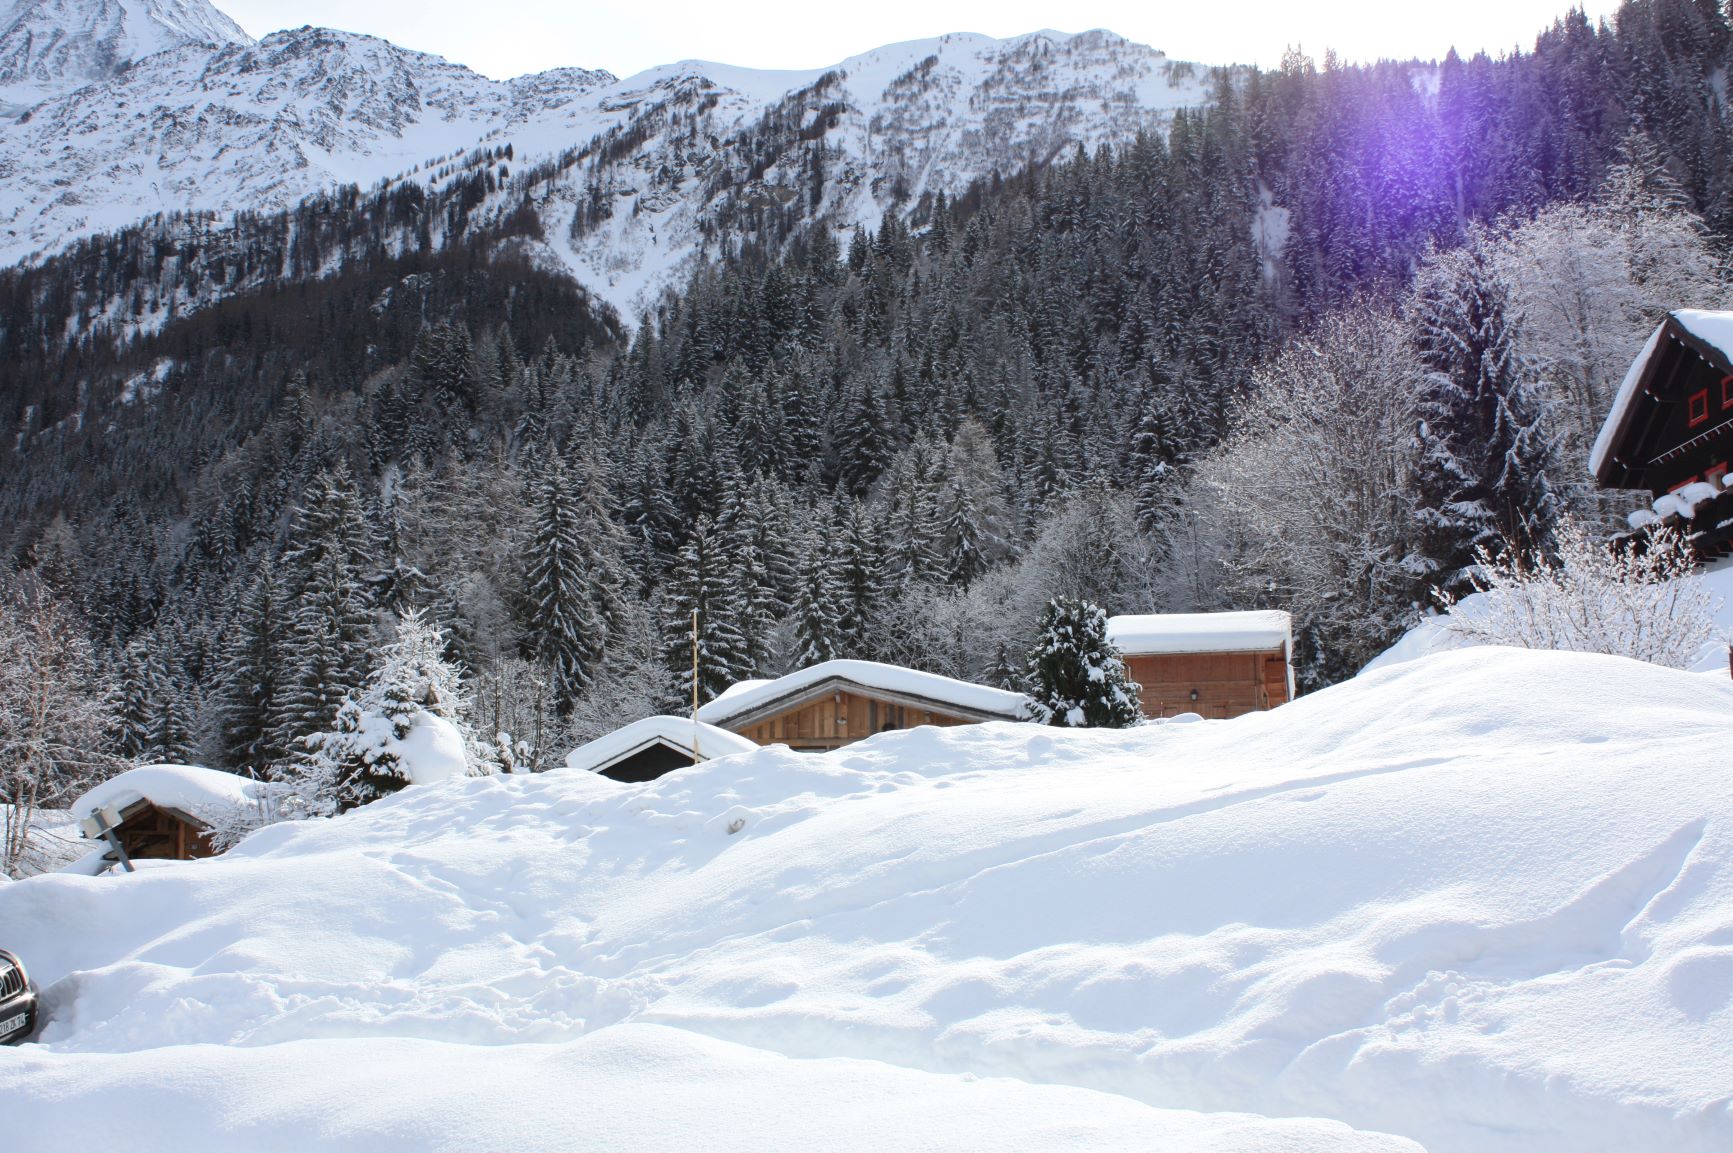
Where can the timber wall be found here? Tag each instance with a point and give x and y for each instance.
(1227, 684)
(840, 718)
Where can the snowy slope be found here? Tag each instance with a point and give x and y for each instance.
(51, 47)
(1483, 900)
(261, 126)
(925, 116)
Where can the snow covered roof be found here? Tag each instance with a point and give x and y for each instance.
(1622, 402)
(754, 697)
(738, 687)
(188, 789)
(675, 732)
(1238, 632)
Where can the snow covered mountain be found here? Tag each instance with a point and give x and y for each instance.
(247, 126)
(50, 47)
(631, 178)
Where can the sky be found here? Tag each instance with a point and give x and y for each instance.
(506, 38)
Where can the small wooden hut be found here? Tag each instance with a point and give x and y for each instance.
(1217, 665)
(159, 812)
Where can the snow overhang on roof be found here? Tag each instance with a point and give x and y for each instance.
(1157, 634)
(749, 700)
(1709, 334)
(675, 732)
(188, 790)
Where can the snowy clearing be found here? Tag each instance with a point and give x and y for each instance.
(1482, 900)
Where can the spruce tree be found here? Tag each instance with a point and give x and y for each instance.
(1484, 452)
(564, 631)
(253, 677)
(818, 624)
(1075, 674)
(330, 563)
(133, 706)
(1154, 464)
(962, 536)
(703, 581)
(863, 437)
(172, 736)
(861, 581)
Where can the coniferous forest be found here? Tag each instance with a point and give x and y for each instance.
(1338, 329)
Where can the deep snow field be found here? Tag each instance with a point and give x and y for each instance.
(1482, 901)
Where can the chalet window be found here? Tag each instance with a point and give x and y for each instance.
(1714, 474)
(1698, 407)
(1727, 392)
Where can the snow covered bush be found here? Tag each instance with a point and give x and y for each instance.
(1649, 604)
(405, 728)
(1076, 675)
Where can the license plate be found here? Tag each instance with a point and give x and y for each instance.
(13, 1024)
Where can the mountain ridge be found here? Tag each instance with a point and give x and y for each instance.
(49, 48)
(261, 126)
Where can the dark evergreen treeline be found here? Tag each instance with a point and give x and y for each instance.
(810, 444)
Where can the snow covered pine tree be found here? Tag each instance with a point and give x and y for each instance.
(405, 728)
(1486, 453)
(1075, 674)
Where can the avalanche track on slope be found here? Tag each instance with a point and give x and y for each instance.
(1482, 900)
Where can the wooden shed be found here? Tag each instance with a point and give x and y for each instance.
(835, 703)
(1216, 665)
(158, 812)
(653, 747)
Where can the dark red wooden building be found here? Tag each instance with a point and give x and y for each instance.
(1670, 430)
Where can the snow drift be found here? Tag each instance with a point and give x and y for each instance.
(1481, 900)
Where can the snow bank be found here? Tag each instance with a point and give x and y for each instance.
(1482, 900)
(676, 731)
(191, 789)
(637, 1088)
(747, 697)
(1161, 633)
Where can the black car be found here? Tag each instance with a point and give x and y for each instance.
(17, 1001)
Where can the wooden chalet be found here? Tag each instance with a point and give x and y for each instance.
(654, 746)
(1670, 430)
(156, 812)
(836, 703)
(1217, 665)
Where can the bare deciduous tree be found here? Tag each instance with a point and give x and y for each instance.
(55, 711)
(1311, 496)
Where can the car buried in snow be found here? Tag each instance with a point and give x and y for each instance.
(17, 1001)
